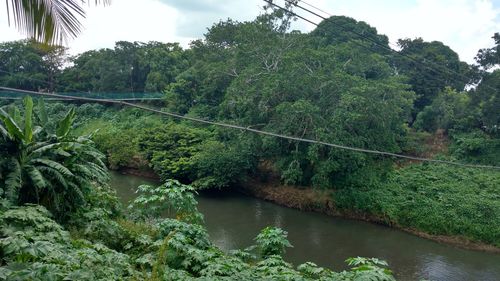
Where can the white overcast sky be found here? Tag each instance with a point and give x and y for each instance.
(464, 25)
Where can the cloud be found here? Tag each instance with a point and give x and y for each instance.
(205, 6)
(127, 20)
(195, 16)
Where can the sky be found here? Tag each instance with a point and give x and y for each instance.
(464, 25)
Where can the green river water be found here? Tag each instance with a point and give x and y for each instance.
(233, 220)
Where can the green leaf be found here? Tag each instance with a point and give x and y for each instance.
(36, 178)
(4, 132)
(55, 174)
(54, 165)
(65, 125)
(28, 118)
(47, 21)
(13, 181)
(43, 147)
(42, 113)
(14, 131)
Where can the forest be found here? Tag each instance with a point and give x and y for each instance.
(61, 221)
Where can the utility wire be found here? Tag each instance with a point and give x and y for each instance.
(248, 129)
(294, 14)
(299, 16)
(316, 8)
(467, 79)
(108, 101)
(436, 69)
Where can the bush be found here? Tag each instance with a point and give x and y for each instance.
(34, 247)
(219, 165)
(476, 147)
(272, 241)
(437, 199)
(170, 149)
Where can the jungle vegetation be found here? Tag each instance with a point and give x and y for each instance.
(330, 84)
(61, 221)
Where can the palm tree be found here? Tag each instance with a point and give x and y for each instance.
(54, 169)
(48, 21)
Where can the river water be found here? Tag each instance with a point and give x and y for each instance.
(233, 220)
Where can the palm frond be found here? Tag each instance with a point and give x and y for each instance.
(3, 132)
(99, 173)
(42, 113)
(14, 131)
(13, 180)
(65, 124)
(94, 153)
(28, 118)
(82, 170)
(48, 21)
(41, 147)
(55, 175)
(54, 165)
(76, 190)
(94, 156)
(61, 152)
(36, 178)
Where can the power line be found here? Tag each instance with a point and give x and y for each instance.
(316, 8)
(467, 79)
(294, 14)
(437, 69)
(248, 129)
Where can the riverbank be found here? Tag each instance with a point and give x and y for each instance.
(322, 202)
(233, 219)
(143, 173)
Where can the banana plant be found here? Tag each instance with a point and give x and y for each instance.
(54, 169)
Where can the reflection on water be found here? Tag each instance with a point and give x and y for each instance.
(234, 220)
(258, 211)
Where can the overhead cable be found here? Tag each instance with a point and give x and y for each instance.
(248, 129)
(467, 79)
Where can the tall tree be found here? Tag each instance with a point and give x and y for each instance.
(490, 57)
(30, 65)
(341, 29)
(430, 67)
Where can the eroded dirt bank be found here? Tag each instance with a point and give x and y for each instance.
(306, 199)
(322, 202)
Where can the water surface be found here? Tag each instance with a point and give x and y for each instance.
(233, 220)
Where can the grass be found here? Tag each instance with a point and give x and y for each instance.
(437, 199)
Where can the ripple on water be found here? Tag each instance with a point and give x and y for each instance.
(234, 220)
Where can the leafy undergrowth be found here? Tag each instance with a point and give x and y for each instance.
(106, 246)
(437, 199)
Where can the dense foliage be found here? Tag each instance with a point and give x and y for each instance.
(104, 245)
(338, 83)
(51, 168)
(34, 247)
(434, 199)
(64, 172)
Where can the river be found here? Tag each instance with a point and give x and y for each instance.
(233, 220)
